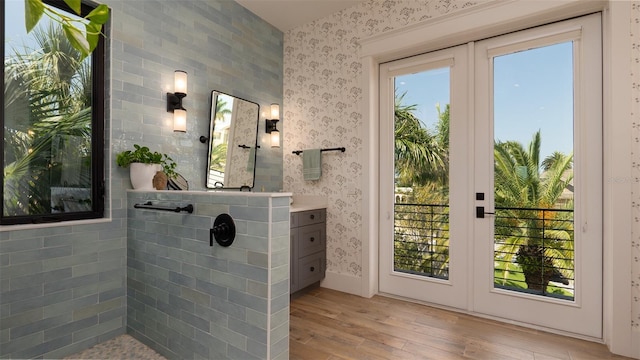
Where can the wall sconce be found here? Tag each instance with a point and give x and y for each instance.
(271, 126)
(174, 101)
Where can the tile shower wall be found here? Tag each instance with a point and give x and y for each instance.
(189, 300)
(62, 289)
(221, 45)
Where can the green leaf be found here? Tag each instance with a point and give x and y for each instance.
(99, 15)
(77, 39)
(93, 35)
(75, 5)
(33, 10)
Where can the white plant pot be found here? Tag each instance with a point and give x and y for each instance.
(141, 175)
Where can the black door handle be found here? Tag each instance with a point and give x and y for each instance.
(480, 212)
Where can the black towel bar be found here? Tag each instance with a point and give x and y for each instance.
(342, 149)
(150, 206)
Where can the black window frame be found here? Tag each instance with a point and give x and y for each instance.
(97, 133)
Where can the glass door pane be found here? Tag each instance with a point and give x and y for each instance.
(533, 111)
(421, 173)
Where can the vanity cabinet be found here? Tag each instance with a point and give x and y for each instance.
(308, 248)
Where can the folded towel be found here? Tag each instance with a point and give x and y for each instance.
(312, 164)
(251, 163)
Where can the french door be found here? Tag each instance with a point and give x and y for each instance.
(490, 177)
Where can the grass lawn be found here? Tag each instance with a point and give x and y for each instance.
(515, 279)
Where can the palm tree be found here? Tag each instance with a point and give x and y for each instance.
(538, 240)
(47, 99)
(422, 161)
(419, 157)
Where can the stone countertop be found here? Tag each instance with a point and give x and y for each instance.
(308, 202)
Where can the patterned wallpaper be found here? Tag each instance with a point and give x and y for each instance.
(635, 118)
(322, 108)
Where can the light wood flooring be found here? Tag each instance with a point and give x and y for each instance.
(327, 324)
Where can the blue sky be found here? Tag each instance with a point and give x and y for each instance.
(533, 90)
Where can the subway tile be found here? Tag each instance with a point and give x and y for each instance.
(21, 319)
(245, 213)
(69, 305)
(211, 289)
(180, 326)
(256, 348)
(197, 272)
(196, 297)
(98, 329)
(211, 262)
(21, 294)
(257, 288)
(247, 300)
(21, 245)
(229, 280)
(42, 348)
(248, 271)
(182, 280)
(38, 326)
(70, 283)
(90, 310)
(260, 260)
(236, 353)
(194, 320)
(248, 330)
(257, 319)
(40, 254)
(69, 327)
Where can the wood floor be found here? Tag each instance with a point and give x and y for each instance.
(327, 324)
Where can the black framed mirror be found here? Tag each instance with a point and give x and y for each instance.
(233, 141)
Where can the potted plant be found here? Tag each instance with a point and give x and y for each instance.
(144, 165)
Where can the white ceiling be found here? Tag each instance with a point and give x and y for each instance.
(288, 14)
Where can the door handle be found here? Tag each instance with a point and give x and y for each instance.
(480, 213)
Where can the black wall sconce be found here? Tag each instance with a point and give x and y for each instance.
(174, 101)
(271, 127)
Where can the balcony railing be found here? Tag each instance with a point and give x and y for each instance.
(533, 247)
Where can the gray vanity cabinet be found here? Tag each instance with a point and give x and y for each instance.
(308, 248)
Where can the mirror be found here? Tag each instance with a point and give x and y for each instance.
(233, 139)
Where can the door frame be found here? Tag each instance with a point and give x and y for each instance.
(499, 17)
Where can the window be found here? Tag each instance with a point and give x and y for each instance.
(52, 122)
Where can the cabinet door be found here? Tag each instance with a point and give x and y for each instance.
(310, 269)
(311, 239)
(311, 217)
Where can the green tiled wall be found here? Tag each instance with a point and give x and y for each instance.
(189, 300)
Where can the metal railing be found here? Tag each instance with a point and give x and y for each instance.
(533, 247)
(421, 234)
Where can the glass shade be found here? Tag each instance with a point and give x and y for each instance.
(275, 111)
(180, 82)
(275, 139)
(180, 120)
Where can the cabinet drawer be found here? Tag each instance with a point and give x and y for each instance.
(311, 239)
(310, 269)
(311, 217)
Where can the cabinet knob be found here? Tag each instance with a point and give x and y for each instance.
(312, 239)
(312, 268)
(312, 216)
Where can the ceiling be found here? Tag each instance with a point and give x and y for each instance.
(288, 14)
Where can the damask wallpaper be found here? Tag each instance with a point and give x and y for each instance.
(323, 108)
(635, 118)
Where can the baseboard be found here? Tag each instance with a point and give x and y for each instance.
(341, 282)
(635, 351)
